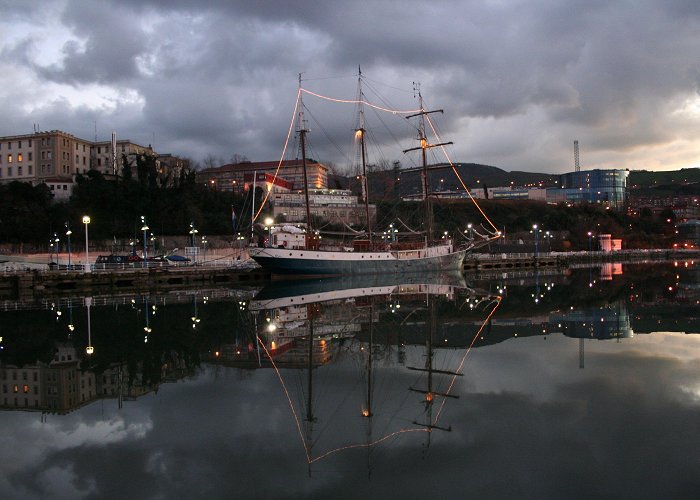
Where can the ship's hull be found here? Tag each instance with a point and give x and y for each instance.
(282, 261)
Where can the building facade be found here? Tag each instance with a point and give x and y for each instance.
(55, 157)
(232, 177)
(608, 187)
(333, 205)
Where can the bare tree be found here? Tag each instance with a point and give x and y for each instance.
(236, 158)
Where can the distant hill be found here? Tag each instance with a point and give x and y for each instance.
(401, 182)
(392, 183)
(646, 178)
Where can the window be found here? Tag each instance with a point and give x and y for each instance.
(76, 146)
(19, 171)
(9, 145)
(36, 377)
(19, 157)
(48, 155)
(99, 150)
(15, 388)
(83, 160)
(30, 143)
(9, 171)
(29, 156)
(25, 388)
(99, 161)
(43, 155)
(9, 158)
(30, 170)
(19, 144)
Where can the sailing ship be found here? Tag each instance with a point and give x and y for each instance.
(307, 257)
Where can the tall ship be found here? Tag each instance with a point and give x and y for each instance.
(298, 251)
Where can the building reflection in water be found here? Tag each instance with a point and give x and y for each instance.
(309, 328)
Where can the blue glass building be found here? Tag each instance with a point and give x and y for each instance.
(608, 187)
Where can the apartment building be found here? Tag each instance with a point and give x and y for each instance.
(237, 176)
(55, 157)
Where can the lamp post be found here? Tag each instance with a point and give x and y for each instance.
(153, 240)
(590, 242)
(55, 243)
(269, 221)
(86, 221)
(536, 231)
(68, 233)
(193, 233)
(470, 227)
(204, 244)
(145, 228)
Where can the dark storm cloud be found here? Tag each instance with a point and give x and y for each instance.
(108, 50)
(518, 80)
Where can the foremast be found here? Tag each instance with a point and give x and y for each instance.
(302, 139)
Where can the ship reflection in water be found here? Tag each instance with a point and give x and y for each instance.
(396, 386)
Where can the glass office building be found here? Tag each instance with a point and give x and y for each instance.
(608, 187)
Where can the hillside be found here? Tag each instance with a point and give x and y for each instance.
(389, 183)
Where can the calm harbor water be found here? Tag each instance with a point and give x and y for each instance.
(546, 385)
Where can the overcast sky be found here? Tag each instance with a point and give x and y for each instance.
(518, 80)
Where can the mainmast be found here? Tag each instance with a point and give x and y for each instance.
(360, 132)
(424, 146)
(302, 139)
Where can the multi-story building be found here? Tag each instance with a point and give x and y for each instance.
(232, 177)
(108, 161)
(334, 205)
(608, 187)
(55, 158)
(44, 156)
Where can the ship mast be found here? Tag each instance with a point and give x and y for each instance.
(424, 146)
(302, 138)
(360, 132)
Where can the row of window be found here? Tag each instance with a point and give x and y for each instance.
(19, 144)
(16, 389)
(25, 375)
(26, 403)
(20, 158)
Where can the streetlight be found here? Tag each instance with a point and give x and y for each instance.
(86, 221)
(153, 240)
(55, 241)
(68, 233)
(204, 244)
(144, 228)
(536, 231)
(269, 221)
(590, 242)
(470, 227)
(193, 233)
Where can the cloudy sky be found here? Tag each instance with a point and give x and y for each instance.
(519, 80)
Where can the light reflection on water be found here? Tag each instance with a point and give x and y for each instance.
(567, 390)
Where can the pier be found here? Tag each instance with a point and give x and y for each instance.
(61, 282)
(563, 260)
